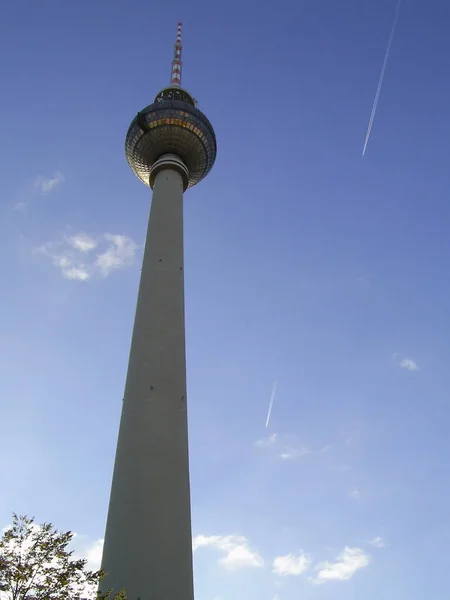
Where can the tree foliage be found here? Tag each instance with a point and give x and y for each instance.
(36, 564)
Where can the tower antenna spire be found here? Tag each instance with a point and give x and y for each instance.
(176, 62)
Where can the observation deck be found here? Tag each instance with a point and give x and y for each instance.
(171, 125)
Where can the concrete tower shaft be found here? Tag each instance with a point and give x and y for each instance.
(148, 547)
(170, 146)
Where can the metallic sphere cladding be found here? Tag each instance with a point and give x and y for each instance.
(171, 125)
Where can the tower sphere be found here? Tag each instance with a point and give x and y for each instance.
(171, 125)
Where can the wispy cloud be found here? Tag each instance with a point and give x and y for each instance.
(405, 363)
(40, 186)
(82, 242)
(21, 206)
(347, 563)
(378, 542)
(44, 185)
(355, 494)
(74, 257)
(409, 364)
(236, 551)
(291, 564)
(93, 554)
(120, 253)
(292, 453)
(268, 441)
(284, 446)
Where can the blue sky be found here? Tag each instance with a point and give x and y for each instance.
(304, 263)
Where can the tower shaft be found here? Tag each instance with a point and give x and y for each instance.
(148, 545)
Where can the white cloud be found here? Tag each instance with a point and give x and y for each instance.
(237, 553)
(349, 561)
(91, 551)
(378, 542)
(21, 206)
(292, 453)
(23, 548)
(291, 565)
(39, 186)
(120, 253)
(79, 273)
(44, 185)
(267, 441)
(326, 449)
(409, 364)
(70, 266)
(83, 242)
(285, 451)
(72, 255)
(93, 554)
(355, 494)
(405, 363)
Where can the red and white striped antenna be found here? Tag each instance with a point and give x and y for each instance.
(176, 63)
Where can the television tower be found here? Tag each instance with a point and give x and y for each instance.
(170, 146)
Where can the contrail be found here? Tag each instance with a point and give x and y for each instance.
(380, 81)
(272, 398)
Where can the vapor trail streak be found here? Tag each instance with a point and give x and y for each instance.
(380, 81)
(272, 398)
